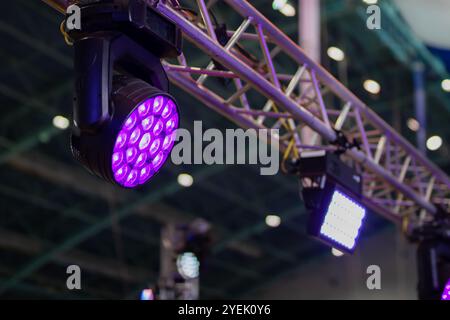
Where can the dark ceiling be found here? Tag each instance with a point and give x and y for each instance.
(53, 213)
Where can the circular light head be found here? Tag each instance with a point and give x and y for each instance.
(188, 265)
(144, 141)
(131, 147)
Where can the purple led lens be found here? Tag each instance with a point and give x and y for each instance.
(145, 174)
(135, 135)
(131, 154)
(144, 109)
(121, 140)
(155, 147)
(117, 159)
(141, 160)
(167, 111)
(148, 122)
(131, 121)
(144, 142)
(159, 126)
(169, 141)
(446, 293)
(121, 173)
(172, 124)
(158, 160)
(158, 104)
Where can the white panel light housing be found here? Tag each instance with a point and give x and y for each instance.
(331, 192)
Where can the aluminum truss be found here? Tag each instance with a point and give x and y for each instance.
(398, 180)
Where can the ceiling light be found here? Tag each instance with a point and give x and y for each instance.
(337, 253)
(124, 119)
(336, 54)
(273, 221)
(288, 10)
(284, 7)
(372, 86)
(188, 265)
(446, 85)
(413, 124)
(278, 4)
(185, 180)
(61, 122)
(370, 1)
(434, 143)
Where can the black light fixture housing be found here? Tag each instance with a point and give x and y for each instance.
(331, 191)
(124, 119)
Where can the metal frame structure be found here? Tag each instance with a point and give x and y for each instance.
(398, 180)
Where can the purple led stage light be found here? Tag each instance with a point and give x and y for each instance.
(124, 119)
(136, 137)
(144, 141)
(446, 293)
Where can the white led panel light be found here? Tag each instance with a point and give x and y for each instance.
(343, 220)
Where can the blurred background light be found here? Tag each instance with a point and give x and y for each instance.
(336, 54)
(284, 7)
(273, 221)
(188, 265)
(446, 85)
(147, 294)
(185, 180)
(434, 143)
(61, 122)
(413, 124)
(372, 86)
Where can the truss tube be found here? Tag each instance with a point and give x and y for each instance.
(296, 53)
(211, 100)
(266, 88)
(217, 52)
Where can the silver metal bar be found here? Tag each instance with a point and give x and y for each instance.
(320, 99)
(228, 46)
(363, 133)
(207, 19)
(267, 56)
(342, 116)
(243, 96)
(195, 70)
(401, 178)
(238, 93)
(292, 84)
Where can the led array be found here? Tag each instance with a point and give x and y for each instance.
(446, 293)
(145, 141)
(343, 220)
